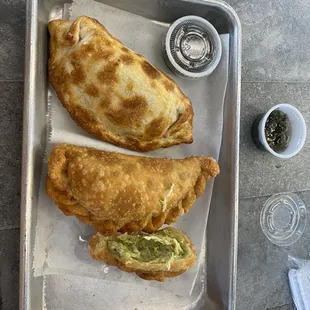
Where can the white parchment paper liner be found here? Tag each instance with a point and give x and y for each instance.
(61, 241)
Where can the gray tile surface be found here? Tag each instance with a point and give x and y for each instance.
(9, 257)
(276, 47)
(12, 33)
(11, 107)
(262, 266)
(276, 40)
(260, 172)
(283, 307)
(12, 38)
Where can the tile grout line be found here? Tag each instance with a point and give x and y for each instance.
(261, 196)
(11, 81)
(277, 307)
(12, 227)
(275, 82)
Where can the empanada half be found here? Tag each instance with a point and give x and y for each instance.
(114, 93)
(164, 254)
(117, 192)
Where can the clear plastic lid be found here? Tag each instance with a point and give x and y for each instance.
(283, 218)
(192, 47)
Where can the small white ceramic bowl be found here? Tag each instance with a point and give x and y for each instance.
(298, 131)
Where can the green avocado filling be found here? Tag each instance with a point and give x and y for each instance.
(164, 246)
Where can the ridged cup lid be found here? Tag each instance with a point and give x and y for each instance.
(283, 218)
(192, 47)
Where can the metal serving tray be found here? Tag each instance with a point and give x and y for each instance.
(223, 218)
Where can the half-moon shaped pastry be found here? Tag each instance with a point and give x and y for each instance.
(117, 192)
(164, 254)
(114, 93)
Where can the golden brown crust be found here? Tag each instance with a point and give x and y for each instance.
(114, 93)
(177, 267)
(117, 192)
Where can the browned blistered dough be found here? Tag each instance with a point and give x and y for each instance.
(117, 192)
(114, 93)
(158, 272)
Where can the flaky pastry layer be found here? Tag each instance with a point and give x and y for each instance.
(117, 192)
(112, 92)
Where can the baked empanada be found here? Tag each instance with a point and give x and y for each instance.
(114, 93)
(164, 254)
(117, 192)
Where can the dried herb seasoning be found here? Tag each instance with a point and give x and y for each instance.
(277, 129)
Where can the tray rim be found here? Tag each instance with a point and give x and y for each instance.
(28, 144)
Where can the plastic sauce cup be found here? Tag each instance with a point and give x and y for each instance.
(192, 47)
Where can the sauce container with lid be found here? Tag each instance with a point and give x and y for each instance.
(192, 47)
(297, 131)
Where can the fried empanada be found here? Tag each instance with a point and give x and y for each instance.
(117, 192)
(114, 93)
(164, 254)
